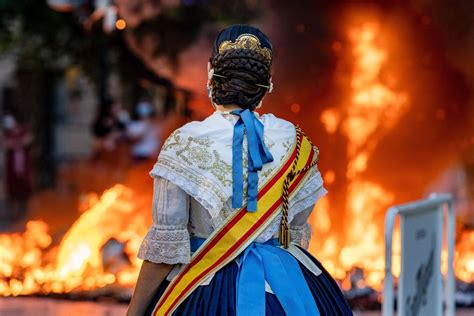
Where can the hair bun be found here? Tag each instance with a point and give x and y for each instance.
(241, 59)
(243, 71)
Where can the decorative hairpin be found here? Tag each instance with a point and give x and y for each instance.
(217, 75)
(246, 41)
(269, 87)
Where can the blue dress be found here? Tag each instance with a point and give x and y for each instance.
(189, 184)
(219, 296)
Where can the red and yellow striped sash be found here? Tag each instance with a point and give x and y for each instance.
(240, 230)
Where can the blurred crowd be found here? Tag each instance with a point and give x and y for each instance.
(122, 140)
(114, 125)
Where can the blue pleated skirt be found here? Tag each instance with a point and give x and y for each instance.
(219, 297)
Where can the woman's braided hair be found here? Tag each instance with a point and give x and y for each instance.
(244, 70)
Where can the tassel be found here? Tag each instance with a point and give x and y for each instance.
(284, 235)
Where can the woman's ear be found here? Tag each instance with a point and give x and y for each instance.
(210, 74)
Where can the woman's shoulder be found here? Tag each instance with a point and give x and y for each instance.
(273, 122)
(221, 126)
(203, 127)
(208, 130)
(278, 129)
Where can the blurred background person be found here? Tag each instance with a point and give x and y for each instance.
(109, 126)
(145, 132)
(19, 182)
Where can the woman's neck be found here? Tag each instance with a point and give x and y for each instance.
(227, 108)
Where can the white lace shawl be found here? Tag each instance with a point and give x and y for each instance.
(197, 159)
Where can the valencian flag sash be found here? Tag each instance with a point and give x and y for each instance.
(241, 229)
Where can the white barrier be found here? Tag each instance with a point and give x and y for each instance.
(420, 282)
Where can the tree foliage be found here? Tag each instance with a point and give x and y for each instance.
(38, 35)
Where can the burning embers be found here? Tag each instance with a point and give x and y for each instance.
(98, 250)
(464, 257)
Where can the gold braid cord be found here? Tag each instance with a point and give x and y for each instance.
(284, 234)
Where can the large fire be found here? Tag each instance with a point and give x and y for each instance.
(30, 264)
(372, 110)
(100, 248)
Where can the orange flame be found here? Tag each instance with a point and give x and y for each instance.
(374, 108)
(29, 265)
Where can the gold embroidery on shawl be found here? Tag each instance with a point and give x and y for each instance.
(194, 151)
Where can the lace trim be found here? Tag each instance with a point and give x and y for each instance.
(196, 186)
(201, 165)
(166, 246)
(307, 196)
(301, 235)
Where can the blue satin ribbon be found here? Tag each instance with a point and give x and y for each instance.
(262, 262)
(258, 155)
(265, 262)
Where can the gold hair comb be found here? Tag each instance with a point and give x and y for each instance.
(246, 41)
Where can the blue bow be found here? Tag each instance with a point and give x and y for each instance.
(258, 155)
(265, 262)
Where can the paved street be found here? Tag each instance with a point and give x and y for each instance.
(56, 307)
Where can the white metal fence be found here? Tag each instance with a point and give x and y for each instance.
(420, 285)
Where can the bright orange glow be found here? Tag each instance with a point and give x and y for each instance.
(120, 24)
(329, 177)
(31, 265)
(373, 109)
(295, 108)
(323, 222)
(464, 257)
(330, 119)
